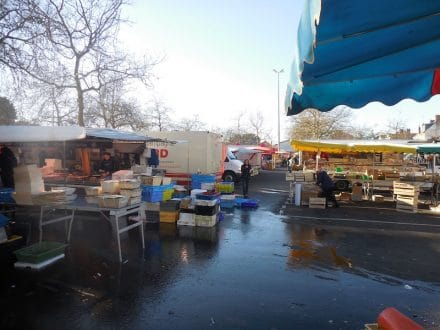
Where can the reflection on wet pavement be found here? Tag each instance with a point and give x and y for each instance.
(252, 271)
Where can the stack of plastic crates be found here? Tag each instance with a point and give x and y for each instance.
(207, 209)
(198, 179)
(227, 198)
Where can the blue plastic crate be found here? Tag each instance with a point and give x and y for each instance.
(6, 195)
(3, 220)
(227, 204)
(246, 203)
(157, 188)
(152, 196)
(198, 179)
(207, 197)
(180, 194)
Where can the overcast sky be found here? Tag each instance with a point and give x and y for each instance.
(220, 57)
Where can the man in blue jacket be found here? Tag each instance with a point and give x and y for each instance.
(327, 186)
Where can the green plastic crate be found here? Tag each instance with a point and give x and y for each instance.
(40, 252)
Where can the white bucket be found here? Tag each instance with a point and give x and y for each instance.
(298, 194)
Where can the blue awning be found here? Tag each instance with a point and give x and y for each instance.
(116, 135)
(352, 52)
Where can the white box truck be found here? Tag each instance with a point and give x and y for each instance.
(196, 152)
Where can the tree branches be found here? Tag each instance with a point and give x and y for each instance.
(69, 45)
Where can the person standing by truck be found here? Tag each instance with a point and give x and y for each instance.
(245, 176)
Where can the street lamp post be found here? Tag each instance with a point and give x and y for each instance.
(278, 104)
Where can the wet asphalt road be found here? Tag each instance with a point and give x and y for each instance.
(256, 270)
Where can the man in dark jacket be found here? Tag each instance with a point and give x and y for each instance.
(107, 166)
(246, 169)
(327, 186)
(7, 163)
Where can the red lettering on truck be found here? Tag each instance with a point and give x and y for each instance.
(163, 153)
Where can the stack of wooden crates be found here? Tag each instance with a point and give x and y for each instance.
(407, 196)
(309, 189)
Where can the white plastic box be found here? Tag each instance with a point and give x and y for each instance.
(206, 220)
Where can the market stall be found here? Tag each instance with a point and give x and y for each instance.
(381, 164)
(112, 215)
(65, 158)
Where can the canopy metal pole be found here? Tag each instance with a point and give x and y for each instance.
(318, 155)
(372, 180)
(187, 168)
(64, 161)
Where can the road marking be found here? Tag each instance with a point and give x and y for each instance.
(363, 220)
(276, 190)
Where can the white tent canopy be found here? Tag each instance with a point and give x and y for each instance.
(40, 133)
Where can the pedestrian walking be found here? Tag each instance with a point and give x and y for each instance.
(245, 176)
(327, 186)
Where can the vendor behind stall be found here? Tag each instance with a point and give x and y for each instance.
(108, 166)
(7, 163)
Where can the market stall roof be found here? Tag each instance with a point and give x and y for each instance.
(355, 52)
(116, 135)
(429, 148)
(17, 134)
(382, 146)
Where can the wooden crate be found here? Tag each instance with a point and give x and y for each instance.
(391, 175)
(408, 200)
(300, 178)
(290, 176)
(317, 203)
(406, 189)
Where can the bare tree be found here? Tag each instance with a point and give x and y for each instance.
(313, 124)
(7, 112)
(238, 119)
(397, 129)
(111, 108)
(256, 122)
(190, 124)
(17, 28)
(72, 43)
(159, 115)
(54, 106)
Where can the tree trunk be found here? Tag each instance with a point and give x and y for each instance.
(80, 101)
(80, 92)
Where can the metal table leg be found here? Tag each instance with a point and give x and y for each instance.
(118, 238)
